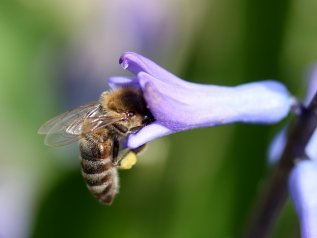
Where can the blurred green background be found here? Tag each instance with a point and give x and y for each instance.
(55, 55)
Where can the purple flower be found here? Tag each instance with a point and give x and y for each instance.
(303, 190)
(178, 105)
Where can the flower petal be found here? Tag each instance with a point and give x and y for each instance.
(182, 108)
(136, 63)
(277, 146)
(118, 82)
(303, 191)
(148, 133)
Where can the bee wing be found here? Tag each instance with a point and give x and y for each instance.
(74, 132)
(72, 117)
(68, 127)
(60, 139)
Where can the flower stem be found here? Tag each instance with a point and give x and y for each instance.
(275, 191)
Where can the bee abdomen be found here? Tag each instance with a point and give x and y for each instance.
(101, 178)
(97, 178)
(95, 166)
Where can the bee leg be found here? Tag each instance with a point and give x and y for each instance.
(129, 158)
(115, 152)
(122, 158)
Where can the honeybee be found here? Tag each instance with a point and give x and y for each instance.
(102, 129)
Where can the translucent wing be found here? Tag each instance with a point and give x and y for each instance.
(72, 117)
(68, 127)
(60, 139)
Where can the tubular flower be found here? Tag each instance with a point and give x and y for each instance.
(178, 105)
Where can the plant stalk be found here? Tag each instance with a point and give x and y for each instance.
(275, 191)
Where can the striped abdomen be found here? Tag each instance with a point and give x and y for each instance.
(98, 171)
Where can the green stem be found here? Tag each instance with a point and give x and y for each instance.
(275, 191)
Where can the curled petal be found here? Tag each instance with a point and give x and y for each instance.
(136, 63)
(303, 191)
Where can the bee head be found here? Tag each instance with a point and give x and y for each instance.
(128, 101)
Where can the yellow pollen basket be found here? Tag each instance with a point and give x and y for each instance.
(128, 161)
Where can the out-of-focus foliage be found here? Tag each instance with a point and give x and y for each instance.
(57, 54)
